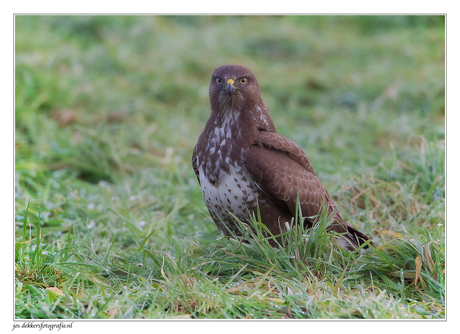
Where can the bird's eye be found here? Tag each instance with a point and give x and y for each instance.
(243, 81)
(219, 81)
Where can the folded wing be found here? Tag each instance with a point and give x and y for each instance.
(283, 172)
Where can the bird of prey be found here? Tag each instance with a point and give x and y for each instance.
(241, 162)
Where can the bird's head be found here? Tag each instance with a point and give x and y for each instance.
(233, 87)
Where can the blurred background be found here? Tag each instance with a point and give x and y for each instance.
(109, 108)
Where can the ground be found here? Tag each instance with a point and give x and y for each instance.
(108, 110)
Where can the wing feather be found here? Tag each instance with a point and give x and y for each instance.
(195, 164)
(281, 170)
(281, 176)
(278, 142)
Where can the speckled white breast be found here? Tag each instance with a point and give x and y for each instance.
(233, 193)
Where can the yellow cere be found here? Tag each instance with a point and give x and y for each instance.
(230, 81)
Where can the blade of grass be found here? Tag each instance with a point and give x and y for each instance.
(24, 231)
(38, 236)
(339, 282)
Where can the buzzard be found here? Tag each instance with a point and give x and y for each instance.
(241, 162)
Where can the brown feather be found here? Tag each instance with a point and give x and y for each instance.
(241, 162)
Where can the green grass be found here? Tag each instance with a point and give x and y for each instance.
(110, 220)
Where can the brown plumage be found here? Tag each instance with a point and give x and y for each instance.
(240, 160)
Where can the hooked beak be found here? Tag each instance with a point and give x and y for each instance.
(230, 86)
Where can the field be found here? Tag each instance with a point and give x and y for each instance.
(109, 217)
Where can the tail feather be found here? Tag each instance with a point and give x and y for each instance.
(350, 238)
(353, 239)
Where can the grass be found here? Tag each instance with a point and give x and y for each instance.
(110, 220)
